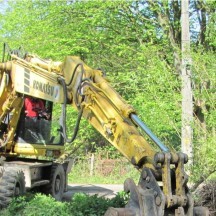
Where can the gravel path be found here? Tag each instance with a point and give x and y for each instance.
(106, 190)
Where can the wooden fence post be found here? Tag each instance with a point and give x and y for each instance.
(92, 165)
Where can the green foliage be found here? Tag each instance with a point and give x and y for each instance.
(85, 205)
(127, 40)
(37, 204)
(108, 151)
(16, 207)
(204, 81)
(80, 205)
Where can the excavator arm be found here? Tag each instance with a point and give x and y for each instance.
(89, 91)
(162, 189)
(105, 110)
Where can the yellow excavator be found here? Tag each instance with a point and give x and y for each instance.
(32, 153)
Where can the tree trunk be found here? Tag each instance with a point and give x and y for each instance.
(187, 99)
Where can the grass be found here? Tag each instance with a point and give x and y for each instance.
(106, 174)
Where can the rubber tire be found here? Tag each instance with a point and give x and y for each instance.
(57, 182)
(12, 184)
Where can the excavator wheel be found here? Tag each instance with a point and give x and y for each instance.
(12, 184)
(57, 182)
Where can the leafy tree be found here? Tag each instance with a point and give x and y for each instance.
(168, 16)
(137, 44)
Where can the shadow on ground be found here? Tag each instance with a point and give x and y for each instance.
(108, 191)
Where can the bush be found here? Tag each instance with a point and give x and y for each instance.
(80, 205)
(85, 205)
(36, 205)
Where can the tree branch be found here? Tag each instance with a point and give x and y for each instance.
(201, 180)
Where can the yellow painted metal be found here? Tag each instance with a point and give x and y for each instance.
(35, 81)
(108, 112)
(19, 77)
(36, 149)
(10, 104)
(16, 105)
(103, 106)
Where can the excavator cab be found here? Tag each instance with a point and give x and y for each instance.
(38, 136)
(20, 133)
(42, 129)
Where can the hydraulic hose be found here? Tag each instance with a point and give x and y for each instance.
(64, 126)
(74, 71)
(80, 81)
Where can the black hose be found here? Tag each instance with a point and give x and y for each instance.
(80, 81)
(73, 74)
(64, 126)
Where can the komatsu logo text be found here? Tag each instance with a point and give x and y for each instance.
(43, 87)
